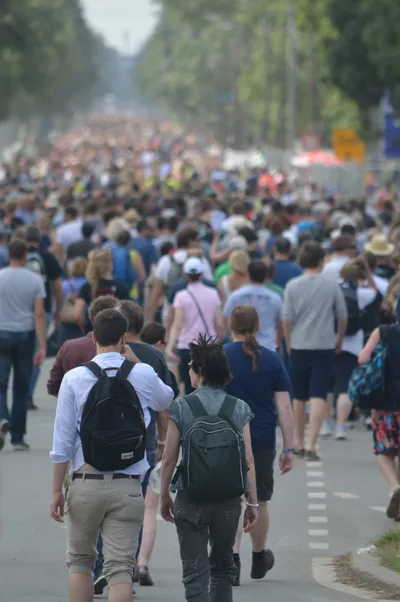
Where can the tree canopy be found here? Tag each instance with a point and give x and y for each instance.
(250, 69)
(50, 60)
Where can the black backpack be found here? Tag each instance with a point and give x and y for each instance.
(113, 430)
(353, 310)
(213, 466)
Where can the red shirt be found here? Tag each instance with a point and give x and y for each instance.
(72, 354)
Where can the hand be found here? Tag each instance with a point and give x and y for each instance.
(339, 346)
(172, 356)
(167, 509)
(250, 518)
(129, 355)
(286, 462)
(57, 506)
(40, 356)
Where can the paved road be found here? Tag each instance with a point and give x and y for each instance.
(305, 512)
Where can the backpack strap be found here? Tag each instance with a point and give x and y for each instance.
(125, 369)
(195, 405)
(227, 407)
(95, 368)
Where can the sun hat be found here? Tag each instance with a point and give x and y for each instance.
(379, 246)
(193, 265)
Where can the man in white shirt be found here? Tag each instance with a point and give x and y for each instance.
(68, 233)
(95, 501)
(344, 249)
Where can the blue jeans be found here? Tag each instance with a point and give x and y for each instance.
(36, 369)
(16, 351)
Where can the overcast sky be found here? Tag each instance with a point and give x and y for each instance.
(124, 23)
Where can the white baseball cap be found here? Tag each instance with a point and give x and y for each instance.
(193, 265)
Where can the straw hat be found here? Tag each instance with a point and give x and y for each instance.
(379, 246)
(239, 261)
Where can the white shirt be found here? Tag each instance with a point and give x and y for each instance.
(333, 268)
(381, 284)
(69, 233)
(74, 390)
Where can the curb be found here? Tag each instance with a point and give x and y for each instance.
(369, 563)
(324, 574)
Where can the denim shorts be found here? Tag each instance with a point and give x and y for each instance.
(311, 372)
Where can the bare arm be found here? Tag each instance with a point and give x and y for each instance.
(154, 301)
(372, 342)
(175, 330)
(341, 333)
(220, 324)
(58, 296)
(287, 331)
(141, 272)
(251, 473)
(79, 311)
(285, 417)
(170, 458)
(279, 334)
(170, 319)
(40, 323)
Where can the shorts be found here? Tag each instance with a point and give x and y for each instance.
(344, 364)
(264, 466)
(386, 432)
(311, 373)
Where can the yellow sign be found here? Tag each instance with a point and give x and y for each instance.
(348, 146)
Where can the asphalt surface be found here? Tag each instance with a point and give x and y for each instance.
(32, 546)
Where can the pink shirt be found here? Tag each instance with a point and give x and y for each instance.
(208, 300)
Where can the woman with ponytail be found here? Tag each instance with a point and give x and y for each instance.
(260, 379)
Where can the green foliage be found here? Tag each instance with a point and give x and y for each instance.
(49, 58)
(347, 52)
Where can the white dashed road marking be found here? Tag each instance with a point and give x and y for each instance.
(377, 508)
(317, 506)
(317, 519)
(316, 495)
(346, 496)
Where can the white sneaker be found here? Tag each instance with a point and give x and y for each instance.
(326, 429)
(350, 425)
(341, 433)
(368, 423)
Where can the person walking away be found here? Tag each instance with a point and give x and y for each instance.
(267, 304)
(82, 247)
(143, 244)
(385, 423)
(344, 249)
(22, 315)
(359, 299)
(260, 379)
(128, 264)
(197, 310)
(69, 232)
(170, 269)
(45, 265)
(78, 351)
(107, 458)
(285, 270)
(100, 281)
(239, 275)
(207, 507)
(312, 305)
(383, 251)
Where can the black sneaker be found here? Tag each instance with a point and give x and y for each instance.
(31, 405)
(4, 429)
(261, 564)
(238, 566)
(144, 576)
(100, 585)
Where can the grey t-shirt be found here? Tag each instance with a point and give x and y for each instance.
(312, 303)
(19, 289)
(212, 400)
(268, 306)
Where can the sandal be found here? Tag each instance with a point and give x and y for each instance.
(144, 576)
(299, 452)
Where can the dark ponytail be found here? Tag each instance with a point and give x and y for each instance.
(244, 321)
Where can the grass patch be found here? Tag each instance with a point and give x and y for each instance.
(388, 548)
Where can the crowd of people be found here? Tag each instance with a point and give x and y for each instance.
(190, 310)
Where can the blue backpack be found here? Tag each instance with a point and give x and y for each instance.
(367, 384)
(123, 269)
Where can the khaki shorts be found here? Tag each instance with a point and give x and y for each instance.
(114, 507)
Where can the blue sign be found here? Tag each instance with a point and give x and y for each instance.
(391, 131)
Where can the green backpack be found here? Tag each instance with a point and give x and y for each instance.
(213, 466)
